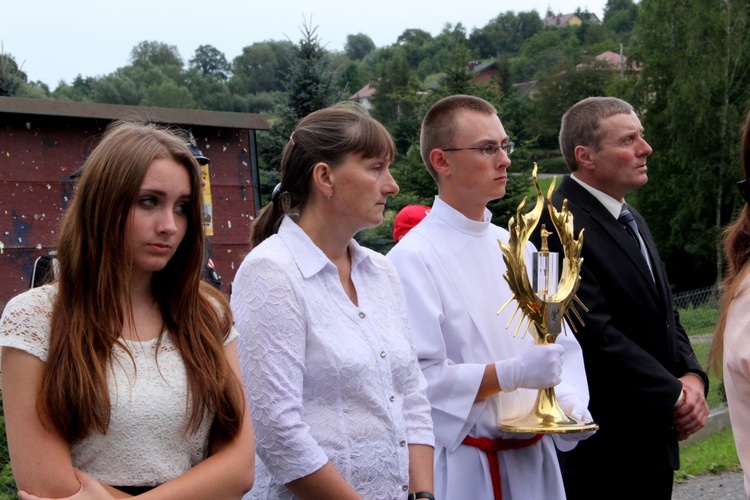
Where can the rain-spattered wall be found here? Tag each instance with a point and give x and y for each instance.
(42, 142)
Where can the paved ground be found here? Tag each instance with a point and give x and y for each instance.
(722, 486)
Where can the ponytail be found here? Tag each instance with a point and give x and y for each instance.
(267, 222)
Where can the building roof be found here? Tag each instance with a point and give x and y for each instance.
(560, 19)
(117, 111)
(364, 93)
(524, 89)
(481, 67)
(612, 58)
(564, 19)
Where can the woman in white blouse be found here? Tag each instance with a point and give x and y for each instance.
(122, 376)
(338, 399)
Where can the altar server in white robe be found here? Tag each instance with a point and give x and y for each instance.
(478, 373)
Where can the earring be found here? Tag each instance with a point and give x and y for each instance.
(330, 195)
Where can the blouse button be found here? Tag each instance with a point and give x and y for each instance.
(361, 314)
(392, 398)
(402, 442)
(405, 487)
(382, 354)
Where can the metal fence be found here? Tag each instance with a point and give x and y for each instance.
(698, 310)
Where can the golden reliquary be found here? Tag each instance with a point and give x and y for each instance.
(544, 300)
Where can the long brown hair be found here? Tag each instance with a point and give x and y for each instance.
(737, 253)
(95, 267)
(327, 135)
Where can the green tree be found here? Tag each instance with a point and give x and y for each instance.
(426, 55)
(620, 17)
(209, 60)
(562, 89)
(147, 54)
(311, 81)
(547, 49)
(35, 90)
(417, 45)
(692, 94)
(262, 67)
(119, 88)
(370, 68)
(457, 76)
(350, 78)
(358, 46)
(81, 89)
(211, 92)
(145, 77)
(396, 101)
(310, 87)
(505, 34)
(392, 88)
(169, 95)
(262, 102)
(12, 79)
(416, 185)
(441, 50)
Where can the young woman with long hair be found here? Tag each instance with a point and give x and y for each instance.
(730, 350)
(338, 398)
(125, 368)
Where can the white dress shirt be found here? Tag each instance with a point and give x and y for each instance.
(328, 380)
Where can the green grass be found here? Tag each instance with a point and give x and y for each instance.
(715, 388)
(7, 483)
(544, 185)
(715, 453)
(699, 320)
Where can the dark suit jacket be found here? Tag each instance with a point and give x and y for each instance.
(634, 347)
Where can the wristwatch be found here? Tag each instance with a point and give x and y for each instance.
(421, 494)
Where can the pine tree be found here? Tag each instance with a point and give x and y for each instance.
(310, 87)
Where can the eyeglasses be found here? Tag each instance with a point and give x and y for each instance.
(490, 149)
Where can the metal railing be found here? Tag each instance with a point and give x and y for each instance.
(699, 310)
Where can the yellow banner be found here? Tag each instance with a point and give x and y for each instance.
(208, 218)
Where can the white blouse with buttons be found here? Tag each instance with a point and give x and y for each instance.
(328, 380)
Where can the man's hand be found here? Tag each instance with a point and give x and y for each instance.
(691, 413)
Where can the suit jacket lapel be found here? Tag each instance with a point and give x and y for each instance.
(660, 275)
(613, 228)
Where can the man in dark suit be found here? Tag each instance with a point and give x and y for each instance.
(646, 386)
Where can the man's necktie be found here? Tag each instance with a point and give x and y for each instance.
(627, 220)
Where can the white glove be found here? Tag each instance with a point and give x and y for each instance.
(535, 367)
(573, 407)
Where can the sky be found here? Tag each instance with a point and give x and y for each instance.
(54, 40)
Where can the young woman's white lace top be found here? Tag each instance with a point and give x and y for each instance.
(146, 443)
(328, 380)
